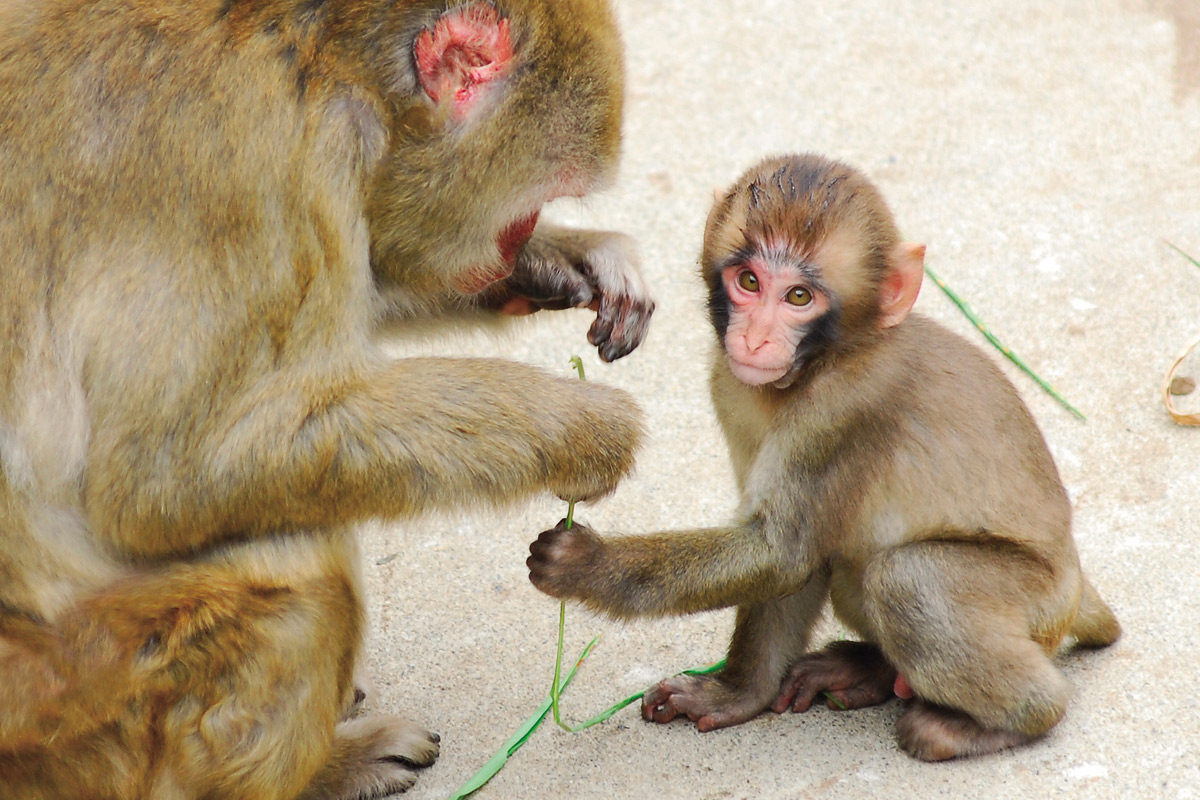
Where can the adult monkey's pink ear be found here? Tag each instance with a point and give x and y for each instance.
(906, 269)
(465, 51)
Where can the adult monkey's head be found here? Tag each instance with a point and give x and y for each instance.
(490, 111)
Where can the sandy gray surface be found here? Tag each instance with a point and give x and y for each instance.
(1044, 151)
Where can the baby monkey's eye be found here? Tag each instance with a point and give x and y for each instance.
(748, 280)
(799, 296)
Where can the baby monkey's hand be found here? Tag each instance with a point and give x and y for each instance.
(562, 559)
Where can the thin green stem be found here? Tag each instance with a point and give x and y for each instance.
(991, 337)
(555, 689)
(500, 758)
(1182, 253)
(834, 700)
(633, 698)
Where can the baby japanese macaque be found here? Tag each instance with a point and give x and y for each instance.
(885, 465)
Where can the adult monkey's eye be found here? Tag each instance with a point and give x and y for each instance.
(799, 296)
(748, 280)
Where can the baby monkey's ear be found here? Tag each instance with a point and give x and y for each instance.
(902, 284)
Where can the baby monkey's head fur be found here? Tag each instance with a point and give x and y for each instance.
(819, 215)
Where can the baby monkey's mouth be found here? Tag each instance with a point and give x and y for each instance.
(754, 375)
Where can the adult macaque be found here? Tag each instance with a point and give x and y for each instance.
(209, 206)
(884, 463)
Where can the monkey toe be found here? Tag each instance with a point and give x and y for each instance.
(619, 330)
(849, 674)
(372, 757)
(356, 704)
(661, 713)
(382, 780)
(364, 689)
(396, 741)
(727, 717)
(421, 748)
(598, 335)
(377, 781)
(656, 705)
(702, 699)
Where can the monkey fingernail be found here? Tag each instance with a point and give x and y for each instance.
(600, 331)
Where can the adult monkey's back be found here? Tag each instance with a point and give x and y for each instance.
(207, 207)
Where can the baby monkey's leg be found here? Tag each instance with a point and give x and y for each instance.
(766, 638)
(955, 618)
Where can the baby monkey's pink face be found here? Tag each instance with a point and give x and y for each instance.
(772, 306)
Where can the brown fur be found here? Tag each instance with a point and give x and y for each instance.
(896, 473)
(211, 207)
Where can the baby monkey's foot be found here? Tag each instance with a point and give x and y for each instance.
(934, 733)
(704, 699)
(850, 674)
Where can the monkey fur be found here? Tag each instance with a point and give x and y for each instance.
(885, 465)
(211, 209)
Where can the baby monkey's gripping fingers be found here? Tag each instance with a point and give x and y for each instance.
(561, 560)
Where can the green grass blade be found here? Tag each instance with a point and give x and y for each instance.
(633, 698)
(1182, 253)
(969, 313)
(711, 668)
(551, 703)
(555, 688)
(497, 761)
(835, 701)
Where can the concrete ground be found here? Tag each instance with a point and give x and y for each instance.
(1045, 151)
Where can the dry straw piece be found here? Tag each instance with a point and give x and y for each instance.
(1191, 420)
